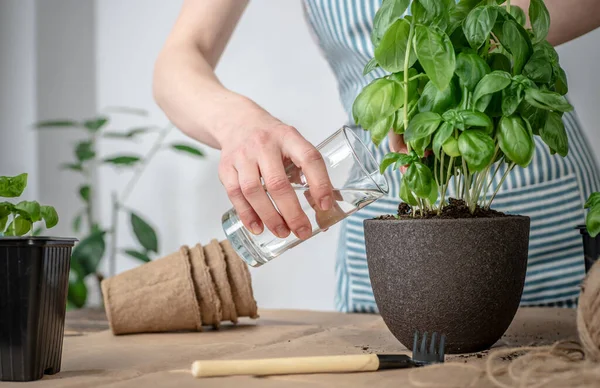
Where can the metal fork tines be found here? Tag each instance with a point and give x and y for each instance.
(431, 353)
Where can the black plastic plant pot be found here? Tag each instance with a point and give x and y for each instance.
(591, 247)
(34, 279)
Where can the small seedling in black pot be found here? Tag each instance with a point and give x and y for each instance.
(34, 276)
(590, 231)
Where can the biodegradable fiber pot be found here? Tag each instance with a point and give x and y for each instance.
(460, 277)
(34, 278)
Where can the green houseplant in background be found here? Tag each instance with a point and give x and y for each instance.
(99, 241)
(469, 86)
(34, 274)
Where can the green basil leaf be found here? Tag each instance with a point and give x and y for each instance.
(547, 100)
(519, 15)
(491, 83)
(477, 148)
(515, 140)
(561, 86)
(19, 226)
(483, 103)
(450, 147)
(479, 24)
(500, 62)
(141, 256)
(406, 195)
(6, 208)
(435, 100)
(144, 233)
(378, 100)
(405, 160)
(539, 68)
(511, 99)
(517, 43)
(592, 221)
(12, 186)
(389, 12)
(440, 138)
(540, 20)
(419, 178)
(389, 159)
(88, 253)
(412, 85)
(420, 145)
(30, 210)
(470, 69)
(370, 66)
(391, 52)
(453, 117)
(432, 12)
(554, 134)
(436, 54)
(94, 125)
(593, 200)
(398, 125)
(3, 222)
(85, 151)
(50, 216)
(477, 120)
(380, 130)
(422, 125)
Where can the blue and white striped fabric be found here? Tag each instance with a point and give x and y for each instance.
(551, 191)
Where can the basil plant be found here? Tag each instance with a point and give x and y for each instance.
(469, 87)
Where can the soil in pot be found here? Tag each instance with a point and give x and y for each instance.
(457, 273)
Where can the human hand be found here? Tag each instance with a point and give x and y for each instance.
(256, 145)
(397, 144)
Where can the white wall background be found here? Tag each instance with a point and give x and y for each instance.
(271, 58)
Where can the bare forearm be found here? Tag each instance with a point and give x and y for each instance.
(569, 19)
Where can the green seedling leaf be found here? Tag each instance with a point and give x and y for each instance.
(187, 149)
(141, 256)
(422, 125)
(380, 130)
(593, 200)
(12, 187)
(444, 132)
(130, 134)
(84, 193)
(470, 69)
(370, 66)
(389, 12)
(547, 100)
(391, 52)
(88, 254)
(144, 233)
(436, 54)
(540, 20)
(418, 179)
(50, 216)
(477, 148)
(515, 140)
(85, 151)
(30, 210)
(438, 101)
(123, 160)
(94, 125)
(57, 124)
(19, 226)
(378, 100)
(592, 221)
(490, 84)
(553, 133)
(478, 25)
(77, 293)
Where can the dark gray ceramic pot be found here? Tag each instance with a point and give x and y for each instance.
(460, 277)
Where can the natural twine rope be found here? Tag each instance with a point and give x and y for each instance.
(563, 364)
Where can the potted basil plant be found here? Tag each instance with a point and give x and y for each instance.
(469, 87)
(34, 276)
(591, 230)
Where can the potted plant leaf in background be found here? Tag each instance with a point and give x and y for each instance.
(469, 87)
(591, 230)
(34, 274)
(100, 241)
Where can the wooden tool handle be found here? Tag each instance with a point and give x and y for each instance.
(290, 365)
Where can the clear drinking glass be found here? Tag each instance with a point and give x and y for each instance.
(357, 182)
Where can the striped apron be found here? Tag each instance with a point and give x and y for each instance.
(551, 191)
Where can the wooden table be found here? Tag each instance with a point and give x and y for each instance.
(93, 357)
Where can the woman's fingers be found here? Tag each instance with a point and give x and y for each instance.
(229, 178)
(255, 194)
(310, 160)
